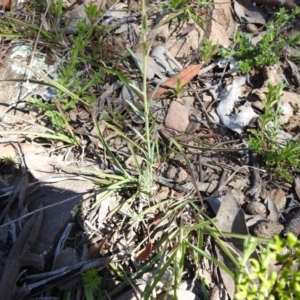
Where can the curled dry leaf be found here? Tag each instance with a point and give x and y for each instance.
(146, 251)
(184, 77)
(190, 27)
(222, 24)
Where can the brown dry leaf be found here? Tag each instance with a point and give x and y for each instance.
(223, 25)
(144, 253)
(98, 248)
(5, 3)
(185, 76)
(154, 223)
(7, 150)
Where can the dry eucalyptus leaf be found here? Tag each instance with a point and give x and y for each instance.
(144, 253)
(190, 27)
(251, 13)
(273, 214)
(279, 198)
(152, 67)
(167, 63)
(222, 24)
(183, 77)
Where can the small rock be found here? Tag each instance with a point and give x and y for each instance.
(268, 228)
(172, 172)
(177, 117)
(182, 175)
(256, 208)
(279, 198)
(293, 225)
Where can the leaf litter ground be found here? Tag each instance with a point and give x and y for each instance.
(67, 206)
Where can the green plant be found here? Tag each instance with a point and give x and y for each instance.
(49, 110)
(177, 91)
(282, 159)
(92, 284)
(10, 160)
(260, 282)
(208, 50)
(175, 4)
(70, 75)
(267, 51)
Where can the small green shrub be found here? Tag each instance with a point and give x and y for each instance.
(267, 51)
(259, 282)
(49, 110)
(282, 159)
(208, 50)
(92, 284)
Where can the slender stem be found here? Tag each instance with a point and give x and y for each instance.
(144, 87)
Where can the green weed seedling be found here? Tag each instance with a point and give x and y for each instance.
(260, 282)
(177, 91)
(92, 284)
(49, 110)
(268, 50)
(208, 50)
(281, 159)
(71, 77)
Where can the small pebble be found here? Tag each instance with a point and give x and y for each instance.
(293, 225)
(177, 117)
(172, 172)
(256, 208)
(182, 175)
(267, 229)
